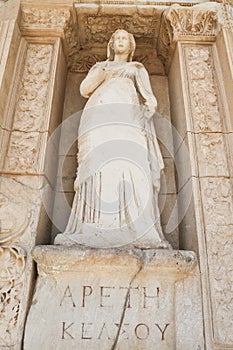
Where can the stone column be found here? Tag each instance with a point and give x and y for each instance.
(191, 48)
(32, 83)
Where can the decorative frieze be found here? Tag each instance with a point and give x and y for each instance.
(219, 244)
(84, 61)
(97, 29)
(217, 201)
(33, 89)
(60, 20)
(31, 108)
(227, 10)
(13, 262)
(211, 153)
(202, 88)
(216, 189)
(218, 208)
(52, 18)
(23, 153)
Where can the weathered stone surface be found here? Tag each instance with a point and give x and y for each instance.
(12, 277)
(115, 299)
(33, 36)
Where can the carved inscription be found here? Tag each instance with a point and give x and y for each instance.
(102, 299)
(88, 331)
(147, 300)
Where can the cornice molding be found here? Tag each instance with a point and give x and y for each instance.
(82, 28)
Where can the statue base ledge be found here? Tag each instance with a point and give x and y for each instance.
(55, 258)
(115, 299)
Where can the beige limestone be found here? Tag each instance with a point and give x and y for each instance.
(173, 42)
(202, 115)
(104, 299)
(31, 96)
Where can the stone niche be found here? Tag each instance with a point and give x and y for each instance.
(115, 298)
(95, 29)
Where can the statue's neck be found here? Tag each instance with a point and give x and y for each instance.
(121, 58)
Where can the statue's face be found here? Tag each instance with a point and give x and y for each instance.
(122, 43)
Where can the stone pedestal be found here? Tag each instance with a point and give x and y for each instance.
(115, 299)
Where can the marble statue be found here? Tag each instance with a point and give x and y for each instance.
(119, 160)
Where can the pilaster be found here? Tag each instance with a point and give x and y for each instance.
(190, 48)
(34, 66)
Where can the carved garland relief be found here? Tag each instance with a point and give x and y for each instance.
(227, 9)
(29, 117)
(204, 104)
(98, 28)
(216, 192)
(44, 18)
(218, 208)
(13, 262)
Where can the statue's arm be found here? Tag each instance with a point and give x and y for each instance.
(95, 77)
(145, 90)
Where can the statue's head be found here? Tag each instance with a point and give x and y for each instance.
(121, 42)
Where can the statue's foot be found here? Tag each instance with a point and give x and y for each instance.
(164, 245)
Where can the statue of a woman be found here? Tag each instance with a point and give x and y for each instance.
(119, 160)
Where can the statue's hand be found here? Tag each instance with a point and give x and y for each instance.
(109, 72)
(76, 185)
(149, 111)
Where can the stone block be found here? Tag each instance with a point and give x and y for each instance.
(211, 154)
(115, 299)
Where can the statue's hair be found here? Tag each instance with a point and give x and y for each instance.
(110, 48)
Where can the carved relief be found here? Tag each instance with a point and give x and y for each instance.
(217, 191)
(218, 208)
(94, 31)
(211, 154)
(227, 10)
(202, 88)
(195, 21)
(30, 110)
(12, 262)
(33, 89)
(217, 201)
(97, 29)
(44, 18)
(84, 61)
(14, 215)
(23, 153)
(58, 20)
(180, 21)
(219, 243)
